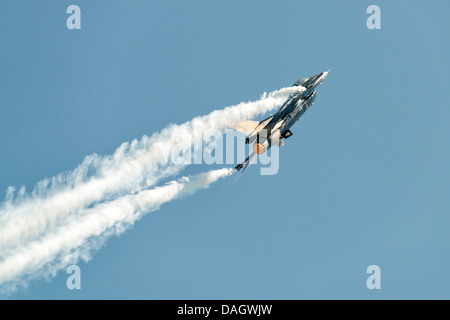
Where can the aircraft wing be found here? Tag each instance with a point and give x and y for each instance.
(248, 127)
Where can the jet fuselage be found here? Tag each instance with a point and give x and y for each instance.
(276, 128)
(289, 113)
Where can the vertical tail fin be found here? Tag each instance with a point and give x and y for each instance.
(246, 163)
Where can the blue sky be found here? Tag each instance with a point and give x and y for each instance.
(364, 180)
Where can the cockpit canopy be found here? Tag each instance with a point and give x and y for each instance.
(300, 82)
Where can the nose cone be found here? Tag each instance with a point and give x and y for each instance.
(322, 77)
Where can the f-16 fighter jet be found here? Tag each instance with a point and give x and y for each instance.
(274, 129)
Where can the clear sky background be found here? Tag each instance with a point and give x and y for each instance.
(364, 180)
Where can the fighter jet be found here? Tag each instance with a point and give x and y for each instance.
(276, 128)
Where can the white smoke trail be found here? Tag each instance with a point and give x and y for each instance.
(78, 238)
(33, 224)
(133, 167)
